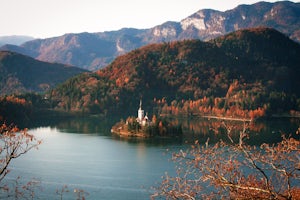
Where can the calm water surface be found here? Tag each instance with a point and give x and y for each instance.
(82, 153)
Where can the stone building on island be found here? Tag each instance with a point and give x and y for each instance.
(141, 126)
(142, 119)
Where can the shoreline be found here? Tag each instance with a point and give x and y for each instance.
(274, 116)
(211, 117)
(121, 130)
(228, 118)
(123, 133)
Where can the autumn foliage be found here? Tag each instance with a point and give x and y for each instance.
(13, 109)
(250, 73)
(235, 171)
(14, 143)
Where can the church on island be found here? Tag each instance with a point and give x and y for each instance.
(142, 119)
(134, 126)
(142, 127)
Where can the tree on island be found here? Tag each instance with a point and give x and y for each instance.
(235, 171)
(157, 127)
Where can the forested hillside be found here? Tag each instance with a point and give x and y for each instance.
(20, 74)
(248, 73)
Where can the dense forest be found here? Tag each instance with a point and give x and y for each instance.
(21, 109)
(248, 73)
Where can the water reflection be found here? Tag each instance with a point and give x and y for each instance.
(82, 153)
(81, 125)
(267, 131)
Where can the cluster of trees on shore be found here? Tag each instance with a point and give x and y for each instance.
(245, 101)
(20, 109)
(217, 107)
(14, 109)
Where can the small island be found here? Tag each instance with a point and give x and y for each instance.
(142, 127)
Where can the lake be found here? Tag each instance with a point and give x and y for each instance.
(82, 153)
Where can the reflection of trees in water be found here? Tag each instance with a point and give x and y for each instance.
(86, 125)
(194, 128)
(260, 131)
(68, 124)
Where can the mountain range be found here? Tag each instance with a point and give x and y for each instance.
(14, 39)
(93, 51)
(248, 69)
(20, 74)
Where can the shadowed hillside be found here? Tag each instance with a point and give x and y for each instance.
(19, 74)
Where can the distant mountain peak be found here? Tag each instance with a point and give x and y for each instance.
(197, 21)
(96, 50)
(166, 30)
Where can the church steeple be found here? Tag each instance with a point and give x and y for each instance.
(140, 104)
(140, 113)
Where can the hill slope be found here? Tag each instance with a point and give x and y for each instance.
(249, 69)
(19, 73)
(95, 50)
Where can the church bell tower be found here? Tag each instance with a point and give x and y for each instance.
(140, 113)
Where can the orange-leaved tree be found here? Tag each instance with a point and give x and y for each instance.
(235, 170)
(13, 144)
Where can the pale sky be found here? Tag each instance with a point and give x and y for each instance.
(49, 18)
